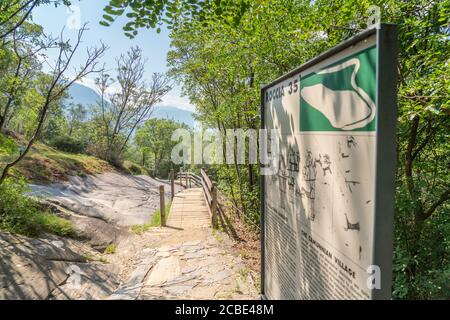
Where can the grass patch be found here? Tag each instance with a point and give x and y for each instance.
(22, 215)
(90, 258)
(110, 249)
(140, 228)
(53, 224)
(44, 164)
(156, 218)
(217, 235)
(154, 222)
(244, 272)
(133, 168)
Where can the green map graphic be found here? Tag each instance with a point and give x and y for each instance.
(341, 96)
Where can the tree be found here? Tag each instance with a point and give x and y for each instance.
(120, 112)
(171, 12)
(21, 68)
(155, 137)
(14, 13)
(76, 115)
(57, 85)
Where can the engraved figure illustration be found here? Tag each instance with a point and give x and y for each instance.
(351, 142)
(293, 164)
(326, 166)
(282, 181)
(309, 175)
(343, 155)
(293, 169)
(350, 225)
(351, 183)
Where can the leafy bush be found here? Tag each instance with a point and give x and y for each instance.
(22, 215)
(7, 147)
(69, 144)
(133, 168)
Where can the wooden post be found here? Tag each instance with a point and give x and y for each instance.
(181, 182)
(214, 205)
(186, 178)
(162, 206)
(172, 183)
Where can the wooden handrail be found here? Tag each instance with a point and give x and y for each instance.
(211, 194)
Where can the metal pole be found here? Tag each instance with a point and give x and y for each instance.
(162, 206)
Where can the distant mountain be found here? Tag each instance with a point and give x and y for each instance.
(176, 114)
(86, 96)
(82, 95)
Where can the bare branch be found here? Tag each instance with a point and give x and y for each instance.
(58, 85)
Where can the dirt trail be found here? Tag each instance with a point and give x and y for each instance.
(186, 260)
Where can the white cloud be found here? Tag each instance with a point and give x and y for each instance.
(178, 102)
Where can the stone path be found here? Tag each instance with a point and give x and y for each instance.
(190, 260)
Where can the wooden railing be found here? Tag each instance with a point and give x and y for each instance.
(216, 200)
(189, 179)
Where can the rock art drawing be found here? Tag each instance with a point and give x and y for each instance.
(309, 175)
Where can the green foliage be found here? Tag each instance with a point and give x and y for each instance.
(154, 139)
(133, 168)
(156, 217)
(22, 215)
(140, 228)
(8, 147)
(152, 14)
(68, 144)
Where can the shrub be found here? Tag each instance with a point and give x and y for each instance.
(69, 144)
(22, 215)
(133, 168)
(7, 148)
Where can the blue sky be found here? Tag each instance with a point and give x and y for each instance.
(154, 46)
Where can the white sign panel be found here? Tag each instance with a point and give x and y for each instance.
(321, 222)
